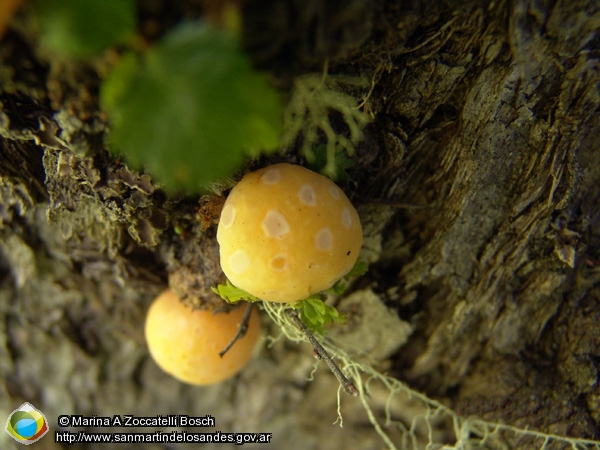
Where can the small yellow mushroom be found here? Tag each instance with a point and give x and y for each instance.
(186, 343)
(286, 233)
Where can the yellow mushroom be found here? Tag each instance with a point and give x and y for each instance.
(186, 343)
(286, 233)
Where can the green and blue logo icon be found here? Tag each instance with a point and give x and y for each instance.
(26, 424)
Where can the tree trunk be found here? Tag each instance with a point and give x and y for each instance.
(478, 185)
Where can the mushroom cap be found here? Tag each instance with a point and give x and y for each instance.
(186, 343)
(286, 233)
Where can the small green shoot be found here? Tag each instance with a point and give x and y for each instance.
(312, 311)
(360, 268)
(315, 314)
(232, 294)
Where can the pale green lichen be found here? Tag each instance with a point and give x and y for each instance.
(306, 116)
(411, 420)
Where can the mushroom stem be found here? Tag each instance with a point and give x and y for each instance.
(242, 329)
(321, 353)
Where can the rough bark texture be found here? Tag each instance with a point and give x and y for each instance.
(478, 183)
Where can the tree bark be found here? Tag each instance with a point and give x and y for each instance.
(478, 184)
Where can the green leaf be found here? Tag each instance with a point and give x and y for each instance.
(318, 305)
(232, 294)
(310, 314)
(338, 288)
(192, 109)
(117, 87)
(82, 28)
(315, 314)
(360, 268)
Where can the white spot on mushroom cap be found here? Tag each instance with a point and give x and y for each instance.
(324, 240)
(271, 176)
(334, 191)
(346, 218)
(275, 224)
(307, 195)
(227, 216)
(239, 261)
(279, 262)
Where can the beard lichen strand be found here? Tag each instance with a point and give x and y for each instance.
(468, 431)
